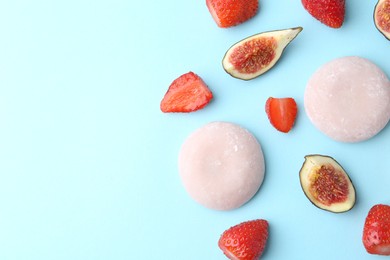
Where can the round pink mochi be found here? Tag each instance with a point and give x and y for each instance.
(221, 165)
(348, 99)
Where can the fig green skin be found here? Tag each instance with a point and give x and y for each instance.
(305, 188)
(386, 35)
(277, 56)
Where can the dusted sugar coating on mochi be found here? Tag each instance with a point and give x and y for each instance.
(221, 165)
(348, 99)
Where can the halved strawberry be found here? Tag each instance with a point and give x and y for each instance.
(245, 241)
(376, 231)
(228, 13)
(329, 12)
(187, 93)
(281, 112)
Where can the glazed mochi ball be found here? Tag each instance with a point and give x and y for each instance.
(348, 99)
(221, 165)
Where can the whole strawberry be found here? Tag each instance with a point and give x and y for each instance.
(329, 12)
(228, 13)
(245, 241)
(376, 231)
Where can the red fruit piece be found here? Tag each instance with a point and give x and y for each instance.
(228, 13)
(187, 93)
(376, 231)
(281, 112)
(329, 12)
(245, 241)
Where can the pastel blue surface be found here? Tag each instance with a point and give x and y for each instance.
(88, 162)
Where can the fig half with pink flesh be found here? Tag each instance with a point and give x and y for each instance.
(255, 55)
(382, 17)
(326, 184)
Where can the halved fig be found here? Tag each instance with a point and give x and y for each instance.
(326, 184)
(255, 55)
(382, 17)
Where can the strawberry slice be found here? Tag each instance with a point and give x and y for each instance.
(281, 113)
(187, 93)
(245, 241)
(329, 12)
(376, 231)
(228, 13)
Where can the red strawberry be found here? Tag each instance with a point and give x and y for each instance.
(187, 93)
(245, 241)
(329, 12)
(376, 231)
(228, 13)
(281, 113)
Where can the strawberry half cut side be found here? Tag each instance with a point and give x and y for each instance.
(281, 113)
(186, 94)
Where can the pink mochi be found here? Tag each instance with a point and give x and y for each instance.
(221, 165)
(348, 99)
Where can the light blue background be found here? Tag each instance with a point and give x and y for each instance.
(88, 162)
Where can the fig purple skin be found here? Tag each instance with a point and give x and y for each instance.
(255, 55)
(382, 17)
(326, 184)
